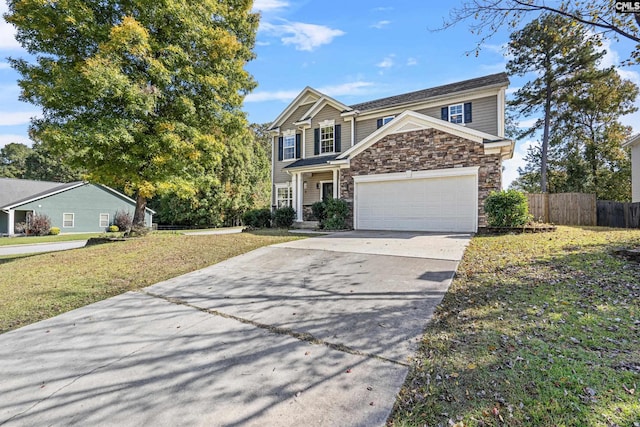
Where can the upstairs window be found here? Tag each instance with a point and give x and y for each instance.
(327, 139)
(289, 147)
(457, 113)
(383, 121)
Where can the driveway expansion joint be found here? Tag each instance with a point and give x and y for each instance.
(301, 336)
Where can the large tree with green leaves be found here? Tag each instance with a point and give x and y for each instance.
(13, 160)
(241, 181)
(560, 54)
(143, 94)
(600, 16)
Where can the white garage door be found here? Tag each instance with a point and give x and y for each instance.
(418, 203)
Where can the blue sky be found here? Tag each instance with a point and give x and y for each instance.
(352, 50)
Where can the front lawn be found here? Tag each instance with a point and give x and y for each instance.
(36, 287)
(31, 240)
(536, 330)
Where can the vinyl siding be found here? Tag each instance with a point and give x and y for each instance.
(365, 128)
(86, 202)
(484, 114)
(329, 113)
(312, 194)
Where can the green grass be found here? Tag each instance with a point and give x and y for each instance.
(536, 330)
(30, 240)
(36, 287)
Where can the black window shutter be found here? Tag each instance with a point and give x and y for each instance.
(298, 152)
(379, 124)
(444, 113)
(467, 112)
(336, 133)
(316, 141)
(280, 141)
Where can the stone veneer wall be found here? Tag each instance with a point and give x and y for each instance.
(424, 150)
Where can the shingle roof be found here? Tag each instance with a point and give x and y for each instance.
(493, 79)
(312, 161)
(14, 191)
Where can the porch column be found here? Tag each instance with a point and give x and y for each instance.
(335, 183)
(299, 212)
(11, 223)
(294, 190)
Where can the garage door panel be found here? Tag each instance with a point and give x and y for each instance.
(420, 204)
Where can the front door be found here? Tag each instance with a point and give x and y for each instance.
(327, 191)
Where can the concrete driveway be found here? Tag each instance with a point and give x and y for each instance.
(41, 247)
(315, 332)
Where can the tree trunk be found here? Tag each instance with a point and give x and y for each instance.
(545, 140)
(138, 216)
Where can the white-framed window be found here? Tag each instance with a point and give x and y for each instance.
(456, 113)
(68, 220)
(289, 147)
(284, 196)
(327, 139)
(387, 119)
(104, 220)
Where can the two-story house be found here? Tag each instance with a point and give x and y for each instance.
(423, 161)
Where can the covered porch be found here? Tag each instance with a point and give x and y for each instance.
(312, 183)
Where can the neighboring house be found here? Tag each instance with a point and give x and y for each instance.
(74, 207)
(634, 144)
(423, 160)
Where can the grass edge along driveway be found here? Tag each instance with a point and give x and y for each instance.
(37, 287)
(537, 329)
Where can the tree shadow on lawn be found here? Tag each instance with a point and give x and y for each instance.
(550, 343)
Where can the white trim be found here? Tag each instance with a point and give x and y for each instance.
(324, 167)
(461, 113)
(501, 118)
(633, 140)
(353, 131)
(414, 175)
(290, 108)
(303, 142)
(73, 220)
(283, 185)
(438, 101)
(434, 173)
(385, 121)
(273, 171)
(11, 222)
(336, 183)
(323, 125)
(409, 121)
(504, 148)
(100, 219)
(325, 182)
(42, 196)
(289, 134)
(321, 103)
(327, 123)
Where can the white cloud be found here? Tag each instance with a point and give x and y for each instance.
(264, 5)
(512, 90)
(352, 88)
(20, 118)
(261, 43)
(412, 61)
(387, 62)
(380, 24)
(634, 76)
(7, 31)
(494, 68)
(279, 95)
(303, 36)
(524, 124)
(382, 9)
(9, 138)
(511, 166)
(4, 65)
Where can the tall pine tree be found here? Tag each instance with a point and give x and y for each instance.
(560, 54)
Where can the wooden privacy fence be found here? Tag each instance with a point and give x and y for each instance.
(564, 208)
(618, 214)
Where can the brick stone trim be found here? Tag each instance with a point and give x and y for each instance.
(426, 149)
